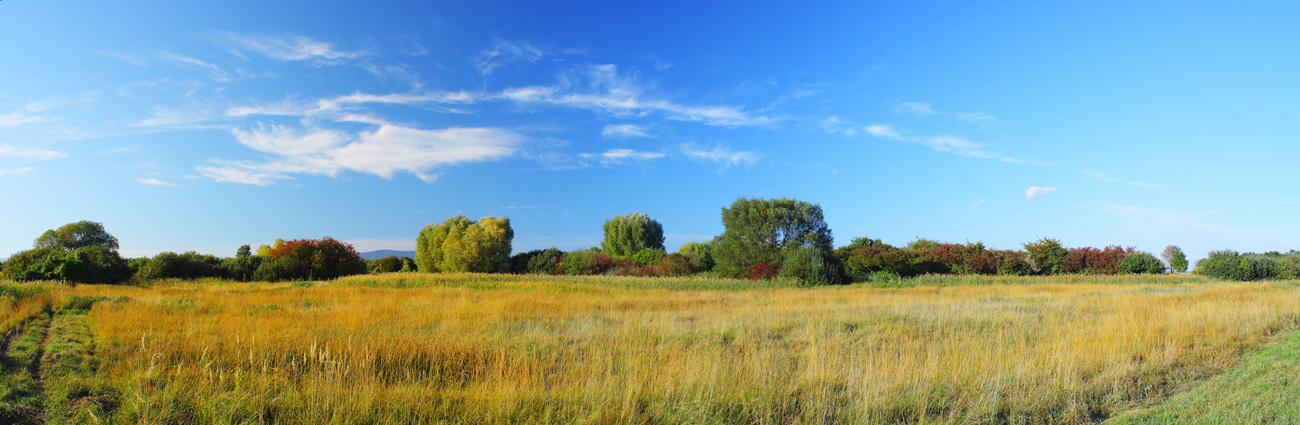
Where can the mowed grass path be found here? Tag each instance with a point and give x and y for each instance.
(411, 348)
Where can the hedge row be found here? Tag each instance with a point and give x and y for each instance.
(868, 258)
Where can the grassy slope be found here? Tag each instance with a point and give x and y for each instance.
(1263, 388)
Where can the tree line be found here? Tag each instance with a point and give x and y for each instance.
(762, 239)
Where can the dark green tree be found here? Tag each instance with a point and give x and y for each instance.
(765, 231)
(244, 252)
(1047, 256)
(76, 235)
(627, 234)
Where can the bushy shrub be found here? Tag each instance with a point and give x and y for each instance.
(190, 265)
(274, 269)
(1088, 260)
(322, 259)
(241, 268)
(1227, 264)
(811, 266)
(389, 264)
(87, 264)
(545, 261)
(1141, 263)
(1047, 256)
(763, 270)
(700, 254)
(459, 245)
(628, 234)
(586, 262)
(765, 231)
(675, 264)
(648, 257)
(865, 242)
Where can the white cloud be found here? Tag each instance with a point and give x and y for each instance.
(16, 119)
(950, 144)
(832, 124)
(291, 48)
(1098, 174)
(602, 88)
(976, 118)
(216, 73)
(156, 182)
(618, 156)
(914, 108)
(623, 131)
(4, 171)
(7, 151)
(722, 155)
(1037, 191)
(881, 130)
(503, 52)
(384, 151)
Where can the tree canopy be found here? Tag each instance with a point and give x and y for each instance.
(461, 245)
(766, 230)
(77, 235)
(628, 234)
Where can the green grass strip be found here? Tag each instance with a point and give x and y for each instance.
(1263, 389)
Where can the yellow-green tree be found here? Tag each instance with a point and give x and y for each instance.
(461, 245)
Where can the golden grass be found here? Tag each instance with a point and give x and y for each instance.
(408, 348)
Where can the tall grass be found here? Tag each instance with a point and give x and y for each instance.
(489, 349)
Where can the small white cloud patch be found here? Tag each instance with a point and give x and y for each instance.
(623, 131)
(914, 108)
(1037, 191)
(155, 182)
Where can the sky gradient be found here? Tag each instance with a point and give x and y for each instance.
(207, 126)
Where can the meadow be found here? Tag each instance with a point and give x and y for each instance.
(475, 348)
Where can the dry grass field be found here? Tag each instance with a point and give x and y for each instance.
(412, 348)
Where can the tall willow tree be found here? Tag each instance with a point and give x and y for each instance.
(627, 234)
(461, 245)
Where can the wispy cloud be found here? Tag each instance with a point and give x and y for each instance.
(384, 151)
(1145, 185)
(883, 131)
(504, 52)
(291, 48)
(722, 155)
(976, 118)
(1038, 191)
(602, 88)
(914, 108)
(1098, 174)
(155, 182)
(979, 202)
(5, 171)
(17, 118)
(623, 131)
(619, 156)
(31, 154)
(215, 72)
(833, 124)
(945, 143)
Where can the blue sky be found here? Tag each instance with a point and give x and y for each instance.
(186, 126)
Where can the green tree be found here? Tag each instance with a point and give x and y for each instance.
(76, 235)
(244, 252)
(460, 245)
(1047, 256)
(1179, 262)
(766, 230)
(627, 234)
(1141, 263)
(1170, 253)
(700, 254)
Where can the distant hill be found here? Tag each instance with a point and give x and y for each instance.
(375, 255)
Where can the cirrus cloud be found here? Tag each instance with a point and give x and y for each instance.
(1038, 191)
